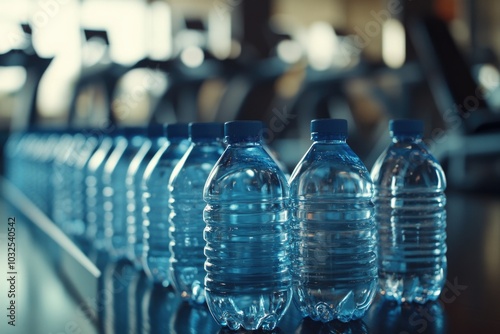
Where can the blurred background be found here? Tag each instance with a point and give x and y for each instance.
(92, 63)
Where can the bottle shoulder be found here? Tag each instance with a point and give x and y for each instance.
(118, 157)
(330, 170)
(243, 174)
(100, 155)
(165, 159)
(408, 166)
(194, 167)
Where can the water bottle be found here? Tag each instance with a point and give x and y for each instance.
(155, 203)
(80, 162)
(70, 180)
(36, 159)
(186, 209)
(411, 217)
(154, 141)
(26, 170)
(115, 195)
(27, 157)
(62, 180)
(334, 235)
(94, 197)
(14, 155)
(28, 154)
(248, 281)
(52, 145)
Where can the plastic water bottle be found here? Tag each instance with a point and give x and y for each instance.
(52, 145)
(135, 173)
(115, 195)
(248, 281)
(28, 162)
(35, 157)
(26, 170)
(94, 197)
(13, 156)
(411, 217)
(186, 209)
(62, 180)
(334, 235)
(71, 184)
(80, 162)
(155, 203)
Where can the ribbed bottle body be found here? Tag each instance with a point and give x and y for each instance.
(62, 182)
(80, 160)
(115, 193)
(134, 179)
(94, 197)
(186, 218)
(334, 236)
(247, 234)
(411, 221)
(156, 210)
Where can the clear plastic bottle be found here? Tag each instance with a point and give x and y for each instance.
(25, 180)
(114, 191)
(248, 281)
(135, 173)
(13, 156)
(81, 158)
(28, 162)
(68, 185)
(334, 235)
(411, 217)
(94, 197)
(186, 209)
(155, 203)
(62, 180)
(36, 176)
(52, 146)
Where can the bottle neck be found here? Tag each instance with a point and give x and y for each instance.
(158, 141)
(206, 141)
(328, 138)
(244, 143)
(176, 140)
(407, 139)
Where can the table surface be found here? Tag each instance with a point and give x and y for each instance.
(46, 302)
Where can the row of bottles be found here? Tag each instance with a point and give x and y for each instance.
(207, 209)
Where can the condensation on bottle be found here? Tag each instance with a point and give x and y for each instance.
(334, 252)
(186, 209)
(155, 139)
(248, 281)
(411, 217)
(155, 197)
(114, 192)
(94, 197)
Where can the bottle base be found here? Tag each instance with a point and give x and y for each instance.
(157, 269)
(252, 312)
(329, 304)
(411, 288)
(188, 282)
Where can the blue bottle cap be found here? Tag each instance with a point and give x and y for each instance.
(408, 127)
(206, 130)
(176, 130)
(155, 131)
(241, 130)
(329, 127)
